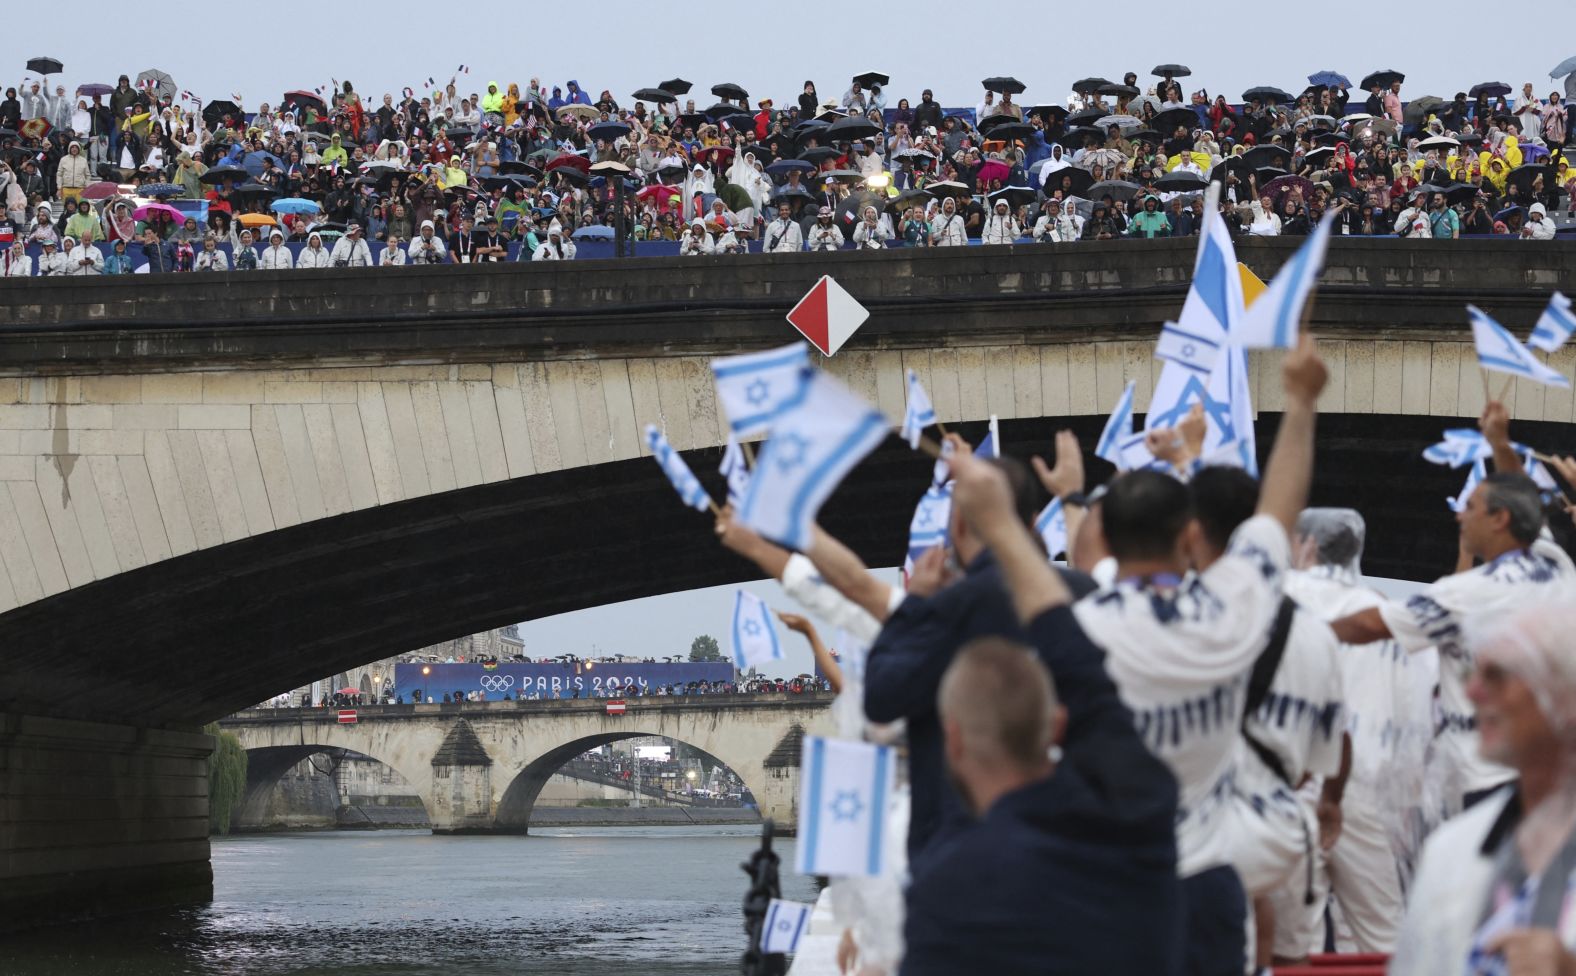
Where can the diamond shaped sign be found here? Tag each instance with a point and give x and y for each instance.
(828, 316)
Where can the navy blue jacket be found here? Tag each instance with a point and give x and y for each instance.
(1073, 874)
(903, 673)
(160, 257)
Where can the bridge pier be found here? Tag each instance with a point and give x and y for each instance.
(99, 819)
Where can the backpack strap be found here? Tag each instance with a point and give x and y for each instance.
(1259, 684)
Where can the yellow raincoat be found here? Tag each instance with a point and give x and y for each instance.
(511, 104)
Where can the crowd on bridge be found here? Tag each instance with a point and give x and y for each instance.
(143, 175)
(803, 684)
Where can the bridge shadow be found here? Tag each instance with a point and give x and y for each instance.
(266, 768)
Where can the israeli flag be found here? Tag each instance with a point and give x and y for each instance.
(735, 469)
(1051, 524)
(920, 413)
(1477, 474)
(844, 788)
(1554, 326)
(990, 447)
(1462, 446)
(754, 634)
(1186, 349)
(1118, 427)
(1210, 312)
(817, 438)
(785, 922)
(1498, 350)
(928, 528)
(1271, 323)
(684, 481)
(1228, 411)
(754, 386)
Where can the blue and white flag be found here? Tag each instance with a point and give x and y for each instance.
(754, 386)
(1195, 352)
(735, 469)
(1118, 427)
(684, 481)
(920, 412)
(851, 653)
(1211, 310)
(928, 528)
(1554, 326)
(1500, 351)
(1478, 473)
(1051, 524)
(785, 922)
(990, 447)
(817, 438)
(1272, 321)
(754, 634)
(1228, 411)
(844, 787)
(1461, 446)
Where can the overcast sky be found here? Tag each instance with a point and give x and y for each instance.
(259, 52)
(214, 49)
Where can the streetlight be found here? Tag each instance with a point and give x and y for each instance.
(377, 686)
(426, 669)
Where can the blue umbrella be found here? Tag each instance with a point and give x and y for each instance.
(596, 232)
(161, 190)
(295, 205)
(254, 162)
(1564, 68)
(1329, 79)
(785, 166)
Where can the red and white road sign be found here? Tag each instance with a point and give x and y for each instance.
(828, 316)
(347, 716)
(615, 706)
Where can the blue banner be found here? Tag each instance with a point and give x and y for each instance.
(547, 681)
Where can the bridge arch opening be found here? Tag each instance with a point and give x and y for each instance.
(518, 800)
(349, 789)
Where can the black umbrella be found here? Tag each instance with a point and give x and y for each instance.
(215, 111)
(873, 78)
(1145, 135)
(219, 174)
(786, 193)
(1118, 189)
(608, 131)
(763, 154)
(819, 154)
(1011, 130)
(1016, 196)
(1265, 174)
(1269, 155)
(1522, 176)
(1459, 192)
(1089, 86)
(677, 86)
(1418, 108)
(853, 127)
(1180, 182)
(1080, 181)
(1267, 93)
(1318, 157)
(1086, 116)
(256, 190)
(1489, 89)
(1074, 138)
(659, 95)
(1127, 90)
(44, 66)
(726, 90)
(1168, 120)
(906, 199)
(722, 110)
(518, 166)
(851, 209)
(1330, 138)
(1384, 78)
(1172, 70)
(692, 120)
(949, 188)
(1005, 85)
(841, 176)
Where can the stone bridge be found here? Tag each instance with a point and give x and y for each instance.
(215, 488)
(478, 767)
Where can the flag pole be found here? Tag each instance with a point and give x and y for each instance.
(749, 454)
(1487, 396)
(943, 428)
(1504, 390)
(930, 447)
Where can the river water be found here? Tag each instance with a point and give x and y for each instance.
(579, 901)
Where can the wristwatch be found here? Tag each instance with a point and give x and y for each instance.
(1077, 498)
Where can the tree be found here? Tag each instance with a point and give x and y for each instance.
(704, 648)
(226, 778)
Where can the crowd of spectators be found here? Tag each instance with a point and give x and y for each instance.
(152, 177)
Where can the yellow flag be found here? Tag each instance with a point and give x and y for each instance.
(1252, 286)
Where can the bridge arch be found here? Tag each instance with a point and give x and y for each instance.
(266, 767)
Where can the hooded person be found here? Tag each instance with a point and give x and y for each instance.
(427, 247)
(1491, 890)
(276, 257)
(699, 182)
(873, 229)
(51, 262)
(1538, 226)
(314, 255)
(17, 263)
(948, 229)
(71, 173)
(1058, 161)
(83, 224)
(783, 235)
(557, 247)
(335, 153)
(493, 100)
(210, 258)
(696, 242)
(1151, 221)
(351, 250)
(1000, 227)
(1057, 223)
(245, 254)
(824, 234)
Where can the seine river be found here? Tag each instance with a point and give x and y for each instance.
(579, 901)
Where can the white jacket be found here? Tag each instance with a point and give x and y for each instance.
(276, 257)
(828, 238)
(311, 257)
(391, 257)
(19, 267)
(948, 231)
(1060, 230)
(873, 238)
(555, 252)
(1000, 229)
(72, 263)
(417, 252)
(51, 264)
(783, 236)
(214, 260)
(354, 254)
(692, 246)
(1538, 230)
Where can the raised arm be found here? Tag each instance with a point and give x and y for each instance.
(1495, 425)
(847, 573)
(1290, 468)
(823, 657)
(981, 493)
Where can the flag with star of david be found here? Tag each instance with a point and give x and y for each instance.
(735, 470)
(844, 790)
(928, 528)
(1502, 352)
(1228, 408)
(753, 387)
(679, 474)
(754, 634)
(921, 413)
(785, 922)
(1554, 326)
(817, 438)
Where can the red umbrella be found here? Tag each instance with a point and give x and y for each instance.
(101, 191)
(570, 160)
(663, 195)
(721, 153)
(148, 210)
